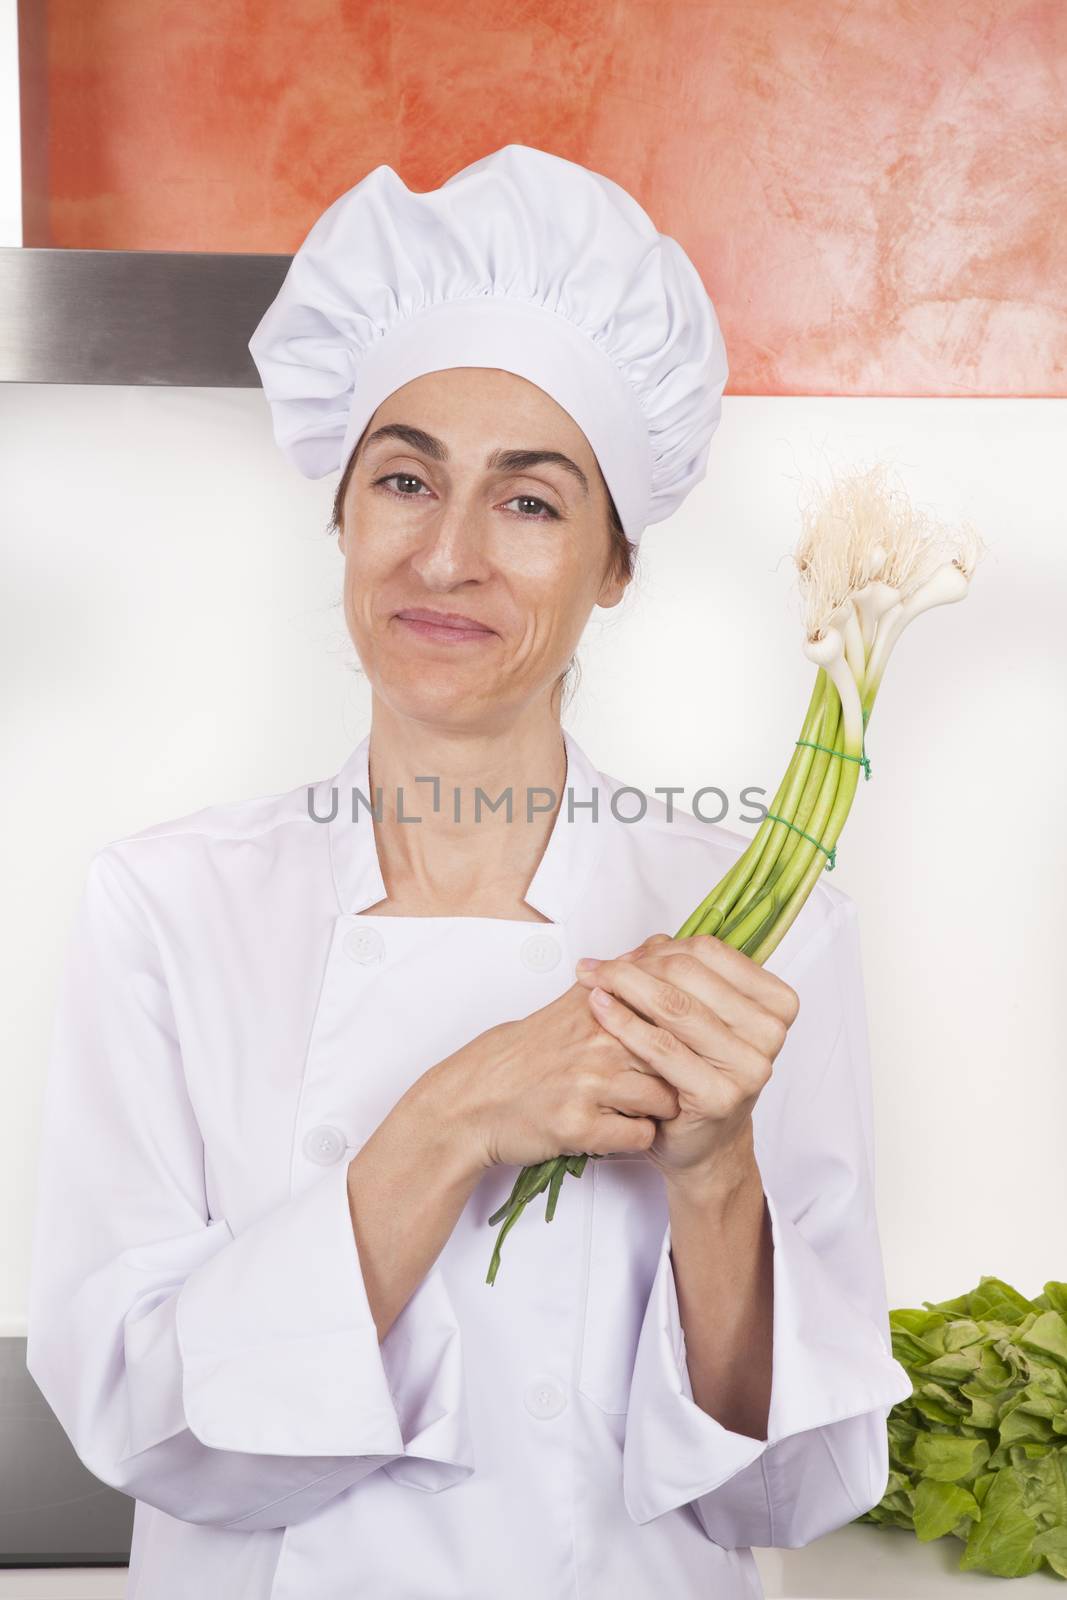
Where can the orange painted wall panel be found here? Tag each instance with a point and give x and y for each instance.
(875, 191)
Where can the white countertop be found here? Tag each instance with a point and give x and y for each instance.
(864, 1562)
(855, 1563)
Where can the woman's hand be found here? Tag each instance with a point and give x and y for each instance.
(709, 1021)
(552, 1083)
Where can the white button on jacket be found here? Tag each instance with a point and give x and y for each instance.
(325, 1145)
(231, 1030)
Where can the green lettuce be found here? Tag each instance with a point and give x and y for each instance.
(979, 1450)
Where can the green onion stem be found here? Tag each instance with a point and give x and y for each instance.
(791, 907)
(804, 769)
(813, 819)
(723, 898)
(798, 808)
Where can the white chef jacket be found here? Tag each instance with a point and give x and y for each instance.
(232, 1027)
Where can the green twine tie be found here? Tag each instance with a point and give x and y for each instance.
(831, 854)
(866, 765)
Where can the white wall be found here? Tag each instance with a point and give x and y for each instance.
(171, 636)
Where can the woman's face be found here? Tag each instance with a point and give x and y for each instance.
(460, 511)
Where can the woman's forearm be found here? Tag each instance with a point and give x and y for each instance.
(722, 1257)
(406, 1189)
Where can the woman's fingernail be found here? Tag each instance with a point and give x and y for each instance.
(600, 997)
(586, 962)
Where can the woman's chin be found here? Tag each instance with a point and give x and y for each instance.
(440, 698)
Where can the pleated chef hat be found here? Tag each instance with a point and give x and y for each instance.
(523, 261)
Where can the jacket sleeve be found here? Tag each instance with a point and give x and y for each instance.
(825, 1459)
(232, 1379)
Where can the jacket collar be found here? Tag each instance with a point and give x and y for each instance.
(562, 875)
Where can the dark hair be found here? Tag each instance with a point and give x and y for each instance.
(621, 556)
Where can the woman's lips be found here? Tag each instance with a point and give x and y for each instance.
(428, 627)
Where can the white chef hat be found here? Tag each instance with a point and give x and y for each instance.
(523, 261)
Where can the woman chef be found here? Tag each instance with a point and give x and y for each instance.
(302, 1047)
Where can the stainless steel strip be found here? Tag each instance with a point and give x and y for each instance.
(133, 316)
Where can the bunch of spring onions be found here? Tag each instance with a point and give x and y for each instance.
(868, 564)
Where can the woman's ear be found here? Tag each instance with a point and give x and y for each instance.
(612, 588)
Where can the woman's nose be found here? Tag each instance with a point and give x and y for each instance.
(453, 545)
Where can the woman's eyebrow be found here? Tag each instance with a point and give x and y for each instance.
(498, 460)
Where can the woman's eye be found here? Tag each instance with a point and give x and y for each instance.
(532, 500)
(543, 513)
(401, 477)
